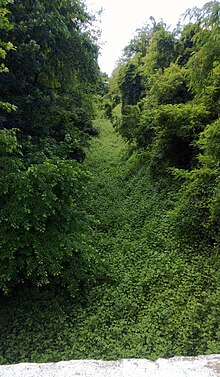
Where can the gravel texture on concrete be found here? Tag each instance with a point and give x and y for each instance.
(202, 366)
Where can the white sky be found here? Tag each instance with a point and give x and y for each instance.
(120, 19)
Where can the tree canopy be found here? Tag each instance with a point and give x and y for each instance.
(51, 77)
(169, 95)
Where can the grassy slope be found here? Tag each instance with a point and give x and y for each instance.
(150, 297)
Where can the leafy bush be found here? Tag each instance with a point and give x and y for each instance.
(168, 131)
(41, 215)
(170, 86)
(197, 210)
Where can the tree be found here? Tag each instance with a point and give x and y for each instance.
(52, 76)
(170, 86)
(197, 211)
(161, 51)
(185, 44)
(129, 82)
(53, 71)
(207, 44)
(4, 48)
(140, 42)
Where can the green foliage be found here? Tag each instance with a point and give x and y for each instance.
(140, 42)
(185, 45)
(137, 247)
(129, 122)
(207, 44)
(4, 48)
(4, 25)
(52, 73)
(170, 87)
(168, 131)
(197, 210)
(209, 143)
(114, 89)
(161, 50)
(41, 216)
(170, 93)
(153, 296)
(176, 128)
(106, 106)
(129, 82)
(52, 76)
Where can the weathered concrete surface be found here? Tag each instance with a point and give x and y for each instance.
(203, 366)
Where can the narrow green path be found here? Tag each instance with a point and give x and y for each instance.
(152, 298)
(119, 204)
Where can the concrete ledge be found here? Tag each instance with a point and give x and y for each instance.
(202, 366)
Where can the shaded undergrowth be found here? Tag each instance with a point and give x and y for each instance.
(149, 296)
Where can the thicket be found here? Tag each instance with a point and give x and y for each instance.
(46, 116)
(152, 296)
(116, 254)
(167, 83)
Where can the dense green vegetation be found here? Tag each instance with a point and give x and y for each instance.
(109, 246)
(165, 102)
(152, 296)
(50, 80)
